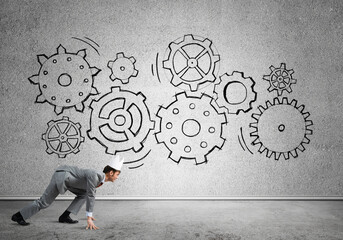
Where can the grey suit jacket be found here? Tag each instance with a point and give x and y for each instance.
(82, 180)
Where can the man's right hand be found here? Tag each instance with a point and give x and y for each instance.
(90, 224)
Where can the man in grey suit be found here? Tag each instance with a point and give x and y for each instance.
(81, 182)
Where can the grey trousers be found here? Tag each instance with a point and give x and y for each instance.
(49, 195)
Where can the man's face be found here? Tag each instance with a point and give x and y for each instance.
(113, 176)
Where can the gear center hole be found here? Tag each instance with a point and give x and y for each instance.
(64, 80)
(119, 120)
(281, 127)
(191, 128)
(122, 68)
(192, 63)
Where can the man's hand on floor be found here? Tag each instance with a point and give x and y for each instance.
(90, 223)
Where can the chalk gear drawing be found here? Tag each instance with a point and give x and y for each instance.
(280, 79)
(65, 79)
(190, 127)
(281, 128)
(191, 62)
(120, 121)
(122, 68)
(235, 93)
(63, 137)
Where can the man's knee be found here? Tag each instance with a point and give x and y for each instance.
(42, 204)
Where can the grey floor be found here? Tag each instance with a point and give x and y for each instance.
(184, 220)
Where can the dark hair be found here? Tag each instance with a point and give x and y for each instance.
(108, 169)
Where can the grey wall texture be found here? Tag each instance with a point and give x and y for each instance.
(202, 98)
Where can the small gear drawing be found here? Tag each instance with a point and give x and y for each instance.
(190, 127)
(63, 137)
(191, 62)
(120, 121)
(280, 79)
(65, 79)
(235, 93)
(281, 128)
(122, 68)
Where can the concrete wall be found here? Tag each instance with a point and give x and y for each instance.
(252, 37)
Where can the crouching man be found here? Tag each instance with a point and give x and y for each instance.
(81, 182)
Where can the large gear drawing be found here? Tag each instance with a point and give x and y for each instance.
(122, 68)
(63, 137)
(190, 127)
(280, 79)
(120, 121)
(235, 93)
(65, 79)
(191, 62)
(281, 128)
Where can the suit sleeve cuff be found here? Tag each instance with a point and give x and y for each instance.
(89, 214)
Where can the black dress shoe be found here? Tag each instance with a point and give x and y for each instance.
(67, 220)
(19, 219)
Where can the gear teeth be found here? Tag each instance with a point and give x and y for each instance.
(120, 55)
(301, 147)
(277, 155)
(301, 108)
(79, 107)
(276, 101)
(49, 151)
(43, 136)
(42, 59)
(61, 50)
(294, 153)
(188, 38)
(294, 103)
(34, 79)
(40, 99)
(256, 116)
(82, 53)
(286, 155)
(94, 91)
(132, 59)
(58, 110)
(272, 68)
(201, 160)
(216, 58)
(76, 151)
(95, 71)
(110, 64)
(309, 123)
(167, 64)
(284, 100)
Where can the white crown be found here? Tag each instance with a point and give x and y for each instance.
(116, 162)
